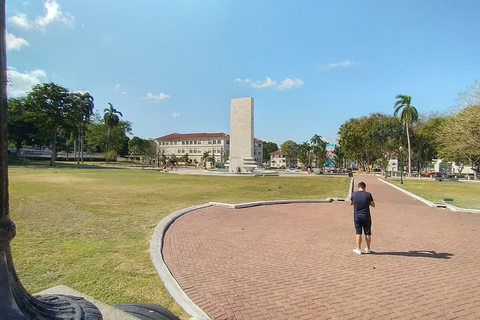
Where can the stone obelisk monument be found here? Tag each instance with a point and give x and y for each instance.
(241, 136)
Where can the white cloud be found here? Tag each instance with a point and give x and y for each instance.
(21, 21)
(289, 84)
(118, 89)
(156, 98)
(54, 13)
(15, 43)
(343, 64)
(243, 81)
(19, 84)
(268, 82)
(265, 84)
(176, 115)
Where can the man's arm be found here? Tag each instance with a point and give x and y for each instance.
(372, 203)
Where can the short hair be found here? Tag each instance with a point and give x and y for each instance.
(362, 185)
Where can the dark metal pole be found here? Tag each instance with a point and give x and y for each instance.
(15, 302)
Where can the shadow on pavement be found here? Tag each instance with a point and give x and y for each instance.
(420, 254)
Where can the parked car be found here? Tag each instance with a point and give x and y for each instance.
(282, 167)
(432, 174)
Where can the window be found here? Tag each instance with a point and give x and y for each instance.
(199, 142)
(183, 142)
(191, 142)
(209, 141)
(219, 142)
(195, 150)
(179, 151)
(191, 150)
(194, 142)
(214, 141)
(228, 141)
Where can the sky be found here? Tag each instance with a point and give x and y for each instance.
(174, 66)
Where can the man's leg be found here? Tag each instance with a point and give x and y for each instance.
(368, 240)
(358, 239)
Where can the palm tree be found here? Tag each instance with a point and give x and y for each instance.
(87, 108)
(408, 115)
(318, 148)
(205, 157)
(111, 119)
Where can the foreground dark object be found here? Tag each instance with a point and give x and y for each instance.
(15, 301)
(145, 311)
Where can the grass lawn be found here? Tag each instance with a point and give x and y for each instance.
(90, 229)
(464, 194)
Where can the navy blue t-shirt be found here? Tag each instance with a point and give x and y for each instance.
(361, 202)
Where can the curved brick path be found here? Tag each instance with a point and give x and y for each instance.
(296, 261)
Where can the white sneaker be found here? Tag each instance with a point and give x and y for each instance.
(367, 250)
(357, 251)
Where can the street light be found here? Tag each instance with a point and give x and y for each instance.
(401, 164)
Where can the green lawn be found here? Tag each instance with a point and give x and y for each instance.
(90, 229)
(464, 194)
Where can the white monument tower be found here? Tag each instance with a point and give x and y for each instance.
(241, 136)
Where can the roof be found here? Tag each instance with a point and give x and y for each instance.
(180, 136)
(185, 136)
(278, 152)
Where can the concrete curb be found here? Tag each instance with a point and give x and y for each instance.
(169, 281)
(429, 203)
(156, 246)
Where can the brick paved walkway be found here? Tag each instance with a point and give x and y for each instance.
(296, 261)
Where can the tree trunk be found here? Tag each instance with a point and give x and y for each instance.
(54, 149)
(82, 141)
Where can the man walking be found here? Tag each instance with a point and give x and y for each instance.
(361, 201)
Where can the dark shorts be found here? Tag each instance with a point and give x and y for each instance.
(363, 222)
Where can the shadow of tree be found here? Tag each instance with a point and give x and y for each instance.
(420, 254)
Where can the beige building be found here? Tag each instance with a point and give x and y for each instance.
(196, 144)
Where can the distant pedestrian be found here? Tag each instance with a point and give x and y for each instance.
(361, 201)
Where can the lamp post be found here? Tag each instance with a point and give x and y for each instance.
(15, 302)
(401, 164)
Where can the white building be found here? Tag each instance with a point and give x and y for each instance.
(196, 144)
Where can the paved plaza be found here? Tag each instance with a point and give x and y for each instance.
(295, 261)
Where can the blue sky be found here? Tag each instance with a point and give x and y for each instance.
(174, 66)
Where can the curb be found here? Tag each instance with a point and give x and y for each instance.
(429, 203)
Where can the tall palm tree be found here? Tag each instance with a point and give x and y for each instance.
(87, 111)
(111, 119)
(318, 148)
(408, 115)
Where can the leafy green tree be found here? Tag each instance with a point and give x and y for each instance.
(97, 135)
(408, 115)
(268, 148)
(424, 145)
(111, 120)
(459, 137)
(51, 108)
(367, 139)
(20, 128)
(291, 150)
(139, 146)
